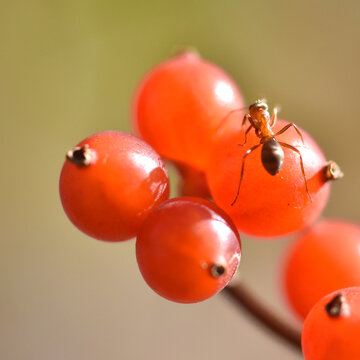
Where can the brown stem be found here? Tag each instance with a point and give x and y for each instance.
(243, 298)
(332, 171)
(336, 306)
(80, 155)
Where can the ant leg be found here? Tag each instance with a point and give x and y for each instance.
(287, 127)
(273, 117)
(227, 116)
(248, 152)
(246, 117)
(251, 121)
(246, 132)
(301, 164)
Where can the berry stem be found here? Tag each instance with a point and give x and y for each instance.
(80, 155)
(335, 307)
(332, 171)
(242, 297)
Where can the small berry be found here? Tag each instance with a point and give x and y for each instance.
(332, 328)
(192, 182)
(267, 206)
(324, 258)
(188, 249)
(179, 105)
(110, 182)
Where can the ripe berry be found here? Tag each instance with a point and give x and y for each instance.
(267, 205)
(332, 328)
(188, 249)
(325, 258)
(179, 105)
(110, 182)
(192, 182)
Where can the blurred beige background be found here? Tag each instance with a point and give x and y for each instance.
(68, 69)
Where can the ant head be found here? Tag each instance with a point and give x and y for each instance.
(258, 105)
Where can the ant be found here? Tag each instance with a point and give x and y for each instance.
(272, 154)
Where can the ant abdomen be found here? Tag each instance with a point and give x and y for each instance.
(272, 156)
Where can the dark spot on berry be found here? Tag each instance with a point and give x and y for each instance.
(80, 156)
(217, 270)
(335, 306)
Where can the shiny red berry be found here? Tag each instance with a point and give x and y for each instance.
(267, 205)
(192, 182)
(179, 105)
(188, 249)
(323, 259)
(109, 184)
(331, 330)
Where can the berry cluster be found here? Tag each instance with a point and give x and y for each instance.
(267, 178)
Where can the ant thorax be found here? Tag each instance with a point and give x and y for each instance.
(261, 117)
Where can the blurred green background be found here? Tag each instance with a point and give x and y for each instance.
(68, 69)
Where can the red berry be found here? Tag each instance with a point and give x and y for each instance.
(267, 205)
(188, 249)
(192, 182)
(110, 182)
(325, 258)
(332, 328)
(179, 105)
